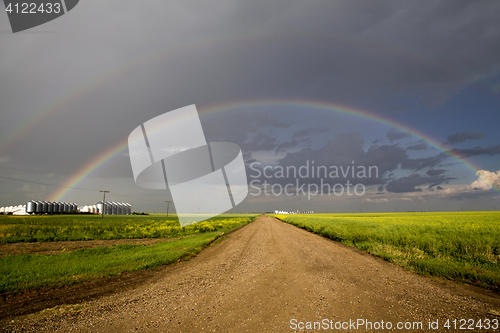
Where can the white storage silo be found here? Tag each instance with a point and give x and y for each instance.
(99, 207)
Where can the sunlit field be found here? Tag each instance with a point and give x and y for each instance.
(49, 228)
(67, 267)
(462, 246)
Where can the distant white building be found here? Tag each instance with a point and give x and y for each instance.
(281, 212)
(19, 210)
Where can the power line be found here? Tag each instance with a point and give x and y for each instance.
(75, 188)
(128, 196)
(39, 183)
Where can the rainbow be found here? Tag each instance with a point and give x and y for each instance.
(120, 146)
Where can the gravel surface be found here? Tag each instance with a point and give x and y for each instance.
(263, 276)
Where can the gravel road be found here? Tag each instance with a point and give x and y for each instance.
(262, 278)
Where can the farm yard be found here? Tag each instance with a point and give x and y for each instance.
(461, 246)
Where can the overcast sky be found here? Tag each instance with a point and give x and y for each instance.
(75, 87)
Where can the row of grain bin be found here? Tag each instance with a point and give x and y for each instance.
(114, 208)
(48, 207)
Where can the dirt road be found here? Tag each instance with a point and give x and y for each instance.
(265, 275)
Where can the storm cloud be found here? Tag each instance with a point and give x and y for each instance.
(413, 182)
(73, 89)
(469, 152)
(464, 136)
(394, 135)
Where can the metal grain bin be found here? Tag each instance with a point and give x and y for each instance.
(30, 207)
(113, 208)
(45, 207)
(50, 207)
(39, 207)
(119, 208)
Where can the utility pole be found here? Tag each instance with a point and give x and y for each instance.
(168, 204)
(103, 202)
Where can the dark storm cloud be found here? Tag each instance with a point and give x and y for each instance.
(333, 51)
(413, 182)
(424, 162)
(495, 150)
(262, 141)
(418, 146)
(346, 150)
(103, 72)
(433, 172)
(287, 145)
(464, 136)
(310, 131)
(251, 131)
(394, 135)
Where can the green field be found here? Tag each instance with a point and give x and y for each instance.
(34, 270)
(50, 228)
(460, 246)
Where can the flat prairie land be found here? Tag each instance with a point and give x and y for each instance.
(270, 276)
